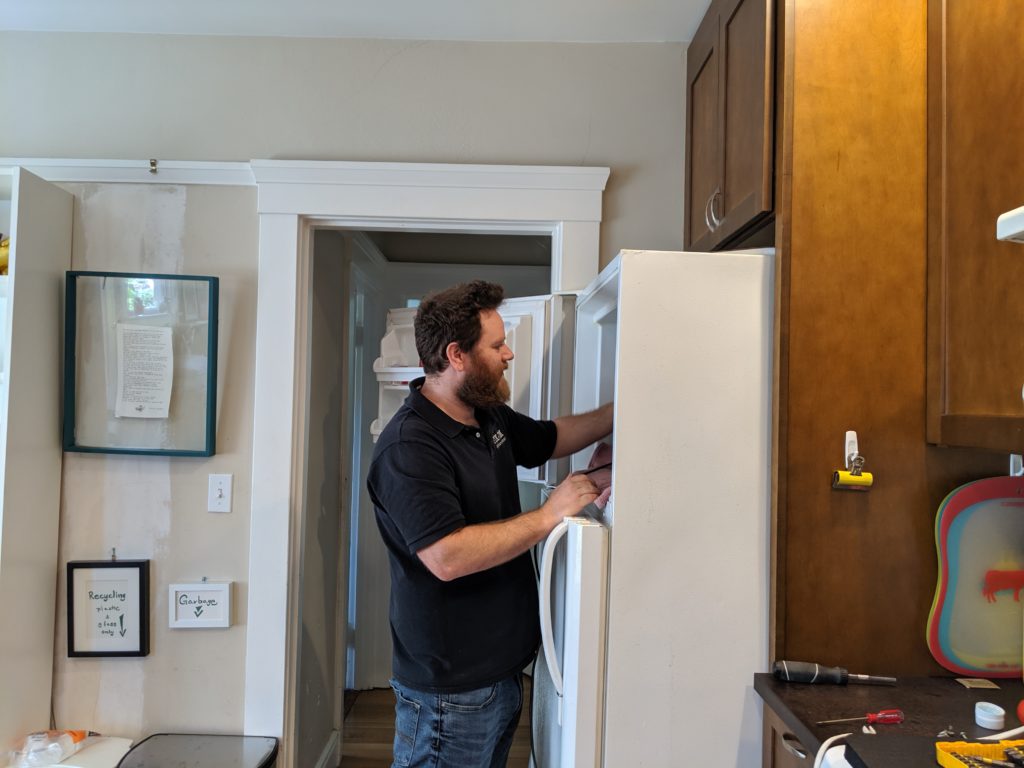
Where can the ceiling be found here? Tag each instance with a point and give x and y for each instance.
(615, 21)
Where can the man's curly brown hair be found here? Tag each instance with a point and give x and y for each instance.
(452, 315)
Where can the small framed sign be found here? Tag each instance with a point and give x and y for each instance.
(201, 605)
(108, 608)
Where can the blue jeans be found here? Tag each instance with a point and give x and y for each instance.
(470, 729)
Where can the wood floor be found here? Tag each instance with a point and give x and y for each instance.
(370, 729)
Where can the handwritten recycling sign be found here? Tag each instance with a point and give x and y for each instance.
(108, 607)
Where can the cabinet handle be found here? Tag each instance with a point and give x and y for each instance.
(716, 195)
(707, 215)
(792, 745)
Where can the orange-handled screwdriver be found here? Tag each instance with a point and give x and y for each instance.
(885, 716)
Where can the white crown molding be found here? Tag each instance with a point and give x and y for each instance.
(529, 177)
(478, 192)
(552, 177)
(135, 171)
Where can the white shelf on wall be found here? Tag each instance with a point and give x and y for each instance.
(392, 389)
(397, 347)
(395, 372)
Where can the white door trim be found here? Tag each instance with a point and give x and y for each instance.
(293, 196)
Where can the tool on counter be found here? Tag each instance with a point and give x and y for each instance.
(973, 760)
(809, 672)
(885, 716)
(1015, 755)
(963, 753)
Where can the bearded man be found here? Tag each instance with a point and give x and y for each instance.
(464, 620)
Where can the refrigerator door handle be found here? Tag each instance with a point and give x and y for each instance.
(547, 634)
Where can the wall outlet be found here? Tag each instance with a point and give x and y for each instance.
(219, 496)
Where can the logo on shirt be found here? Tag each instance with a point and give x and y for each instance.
(498, 438)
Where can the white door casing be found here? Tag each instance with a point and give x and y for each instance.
(293, 198)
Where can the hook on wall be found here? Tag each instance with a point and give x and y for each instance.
(152, 165)
(853, 478)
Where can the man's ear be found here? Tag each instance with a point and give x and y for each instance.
(456, 357)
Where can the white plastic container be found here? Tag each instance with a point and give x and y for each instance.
(44, 748)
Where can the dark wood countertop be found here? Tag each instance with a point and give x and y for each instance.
(930, 705)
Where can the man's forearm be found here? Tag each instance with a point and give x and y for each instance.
(485, 545)
(580, 430)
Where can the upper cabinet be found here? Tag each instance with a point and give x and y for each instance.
(730, 118)
(975, 173)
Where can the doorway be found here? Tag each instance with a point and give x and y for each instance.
(295, 200)
(386, 270)
(383, 271)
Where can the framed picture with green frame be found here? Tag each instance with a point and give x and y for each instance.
(140, 363)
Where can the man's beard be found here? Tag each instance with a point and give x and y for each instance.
(483, 389)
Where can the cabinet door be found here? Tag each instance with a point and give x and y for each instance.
(746, 53)
(30, 447)
(703, 169)
(729, 138)
(975, 162)
(781, 749)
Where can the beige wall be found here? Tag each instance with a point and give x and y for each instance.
(214, 98)
(218, 98)
(151, 507)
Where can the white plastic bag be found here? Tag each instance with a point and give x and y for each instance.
(45, 748)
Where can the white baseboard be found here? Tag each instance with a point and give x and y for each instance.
(331, 756)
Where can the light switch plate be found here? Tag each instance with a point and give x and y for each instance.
(219, 496)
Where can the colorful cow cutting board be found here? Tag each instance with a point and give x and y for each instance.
(975, 625)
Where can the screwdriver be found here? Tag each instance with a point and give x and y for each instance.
(885, 716)
(809, 672)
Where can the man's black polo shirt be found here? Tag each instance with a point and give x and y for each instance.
(431, 476)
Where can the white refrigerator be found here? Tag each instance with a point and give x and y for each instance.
(655, 610)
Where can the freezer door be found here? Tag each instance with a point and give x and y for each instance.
(569, 676)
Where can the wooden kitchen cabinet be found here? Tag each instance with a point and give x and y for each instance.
(781, 748)
(730, 120)
(975, 172)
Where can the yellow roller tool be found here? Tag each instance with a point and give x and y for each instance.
(853, 478)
